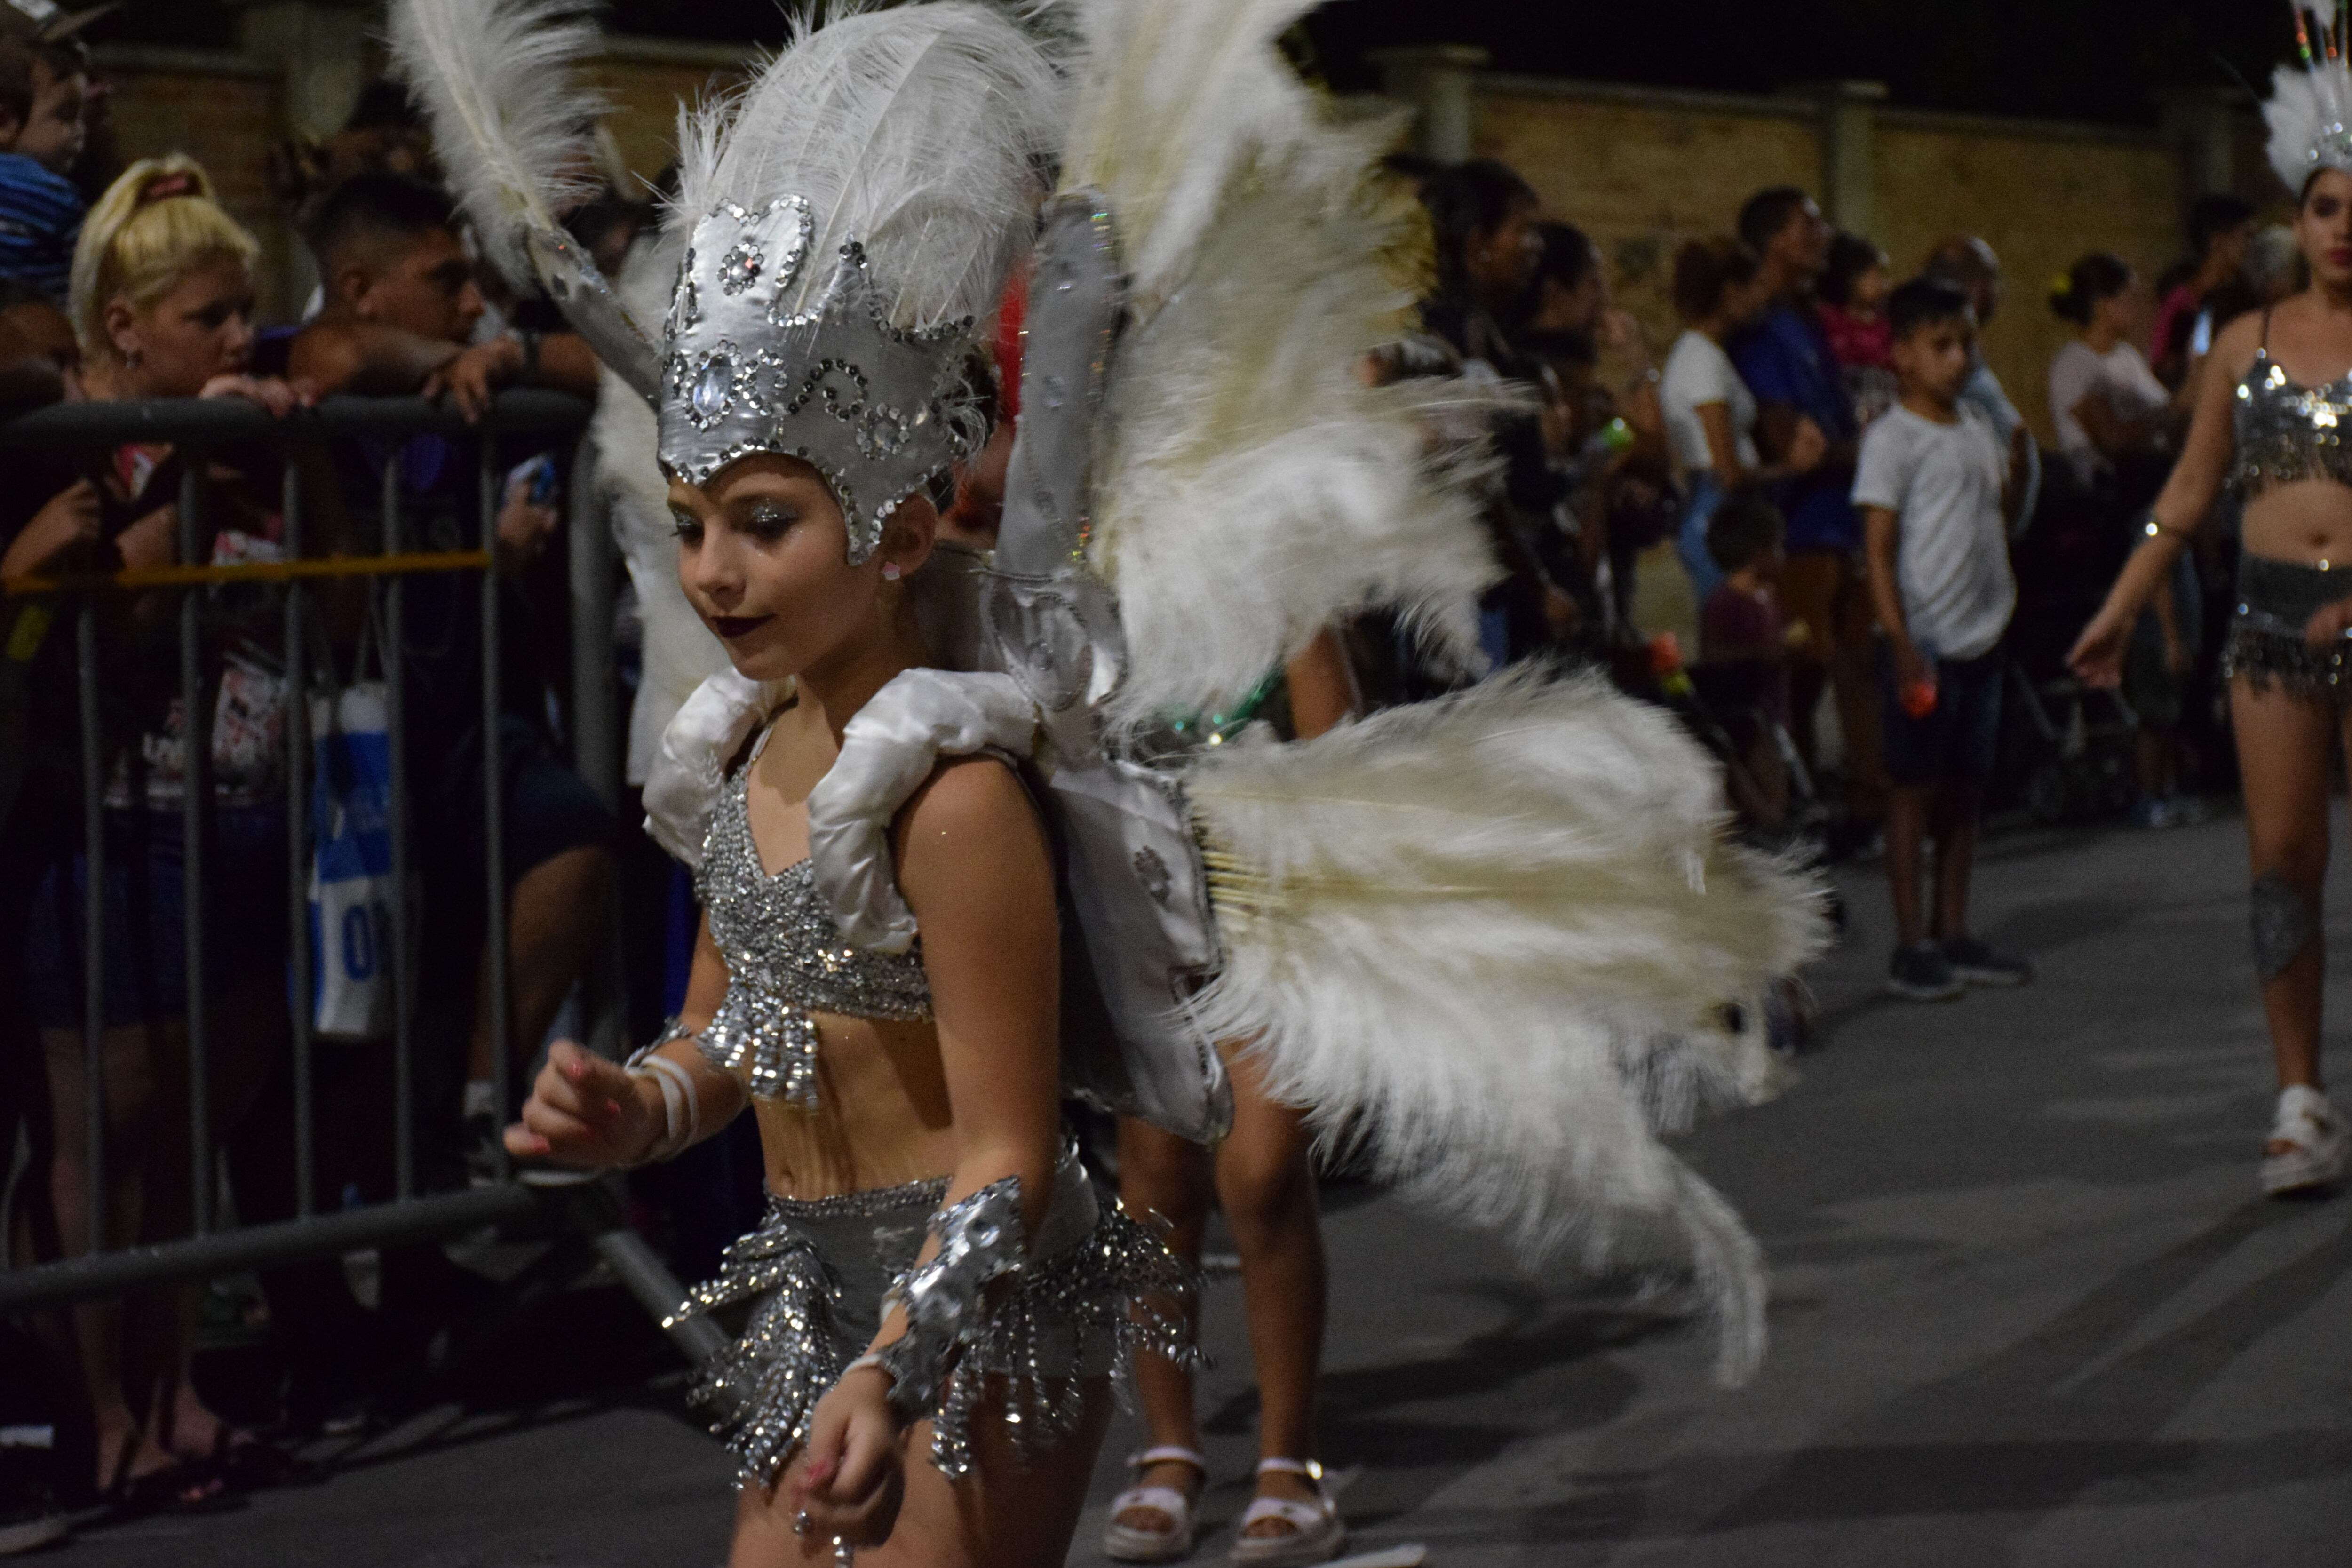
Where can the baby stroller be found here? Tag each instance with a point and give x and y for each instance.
(2065, 752)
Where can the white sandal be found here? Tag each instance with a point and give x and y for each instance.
(1316, 1533)
(1126, 1543)
(2318, 1145)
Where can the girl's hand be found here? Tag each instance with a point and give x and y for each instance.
(584, 1112)
(854, 1480)
(279, 397)
(2327, 623)
(2097, 659)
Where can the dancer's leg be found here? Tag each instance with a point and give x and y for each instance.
(2285, 755)
(1266, 1185)
(1167, 1180)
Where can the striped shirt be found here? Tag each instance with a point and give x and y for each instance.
(40, 220)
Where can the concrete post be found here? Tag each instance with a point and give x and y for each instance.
(319, 49)
(2202, 124)
(1437, 80)
(1849, 112)
(320, 45)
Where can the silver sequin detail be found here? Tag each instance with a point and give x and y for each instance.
(2287, 433)
(816, 1267)
(786, 960)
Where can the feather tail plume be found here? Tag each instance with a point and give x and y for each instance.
(912, 131)
(1492, 937)
(498, 79)
(1252, 490)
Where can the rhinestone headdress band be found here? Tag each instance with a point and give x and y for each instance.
(879, 411)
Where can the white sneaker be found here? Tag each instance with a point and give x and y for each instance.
(2318, 1145)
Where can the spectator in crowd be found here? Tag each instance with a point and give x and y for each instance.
(1966, 260)
(1935, 484)
(1786, 360)
(1484, 216)
(1708, 409)
(1606, 429)
(1853, 303)
(1744, 652)
(44, 86)
(2115, 420)
(163, 302)
(2117, 423)
(2221, 228)
(400, 307)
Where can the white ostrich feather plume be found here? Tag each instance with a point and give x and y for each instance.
(1492, 937)
(679, 651)
(2306, 115)
(916, 131)
(1252, 490)
(510, 121)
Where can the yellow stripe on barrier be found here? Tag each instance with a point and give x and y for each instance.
(250, 571)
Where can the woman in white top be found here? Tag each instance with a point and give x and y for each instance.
(2114, 418)
(1711, 413)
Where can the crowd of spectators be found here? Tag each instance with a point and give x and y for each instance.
(1822, 457)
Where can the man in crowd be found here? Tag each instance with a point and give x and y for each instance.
(1785, 359)
(1966, 261)
(400, 316)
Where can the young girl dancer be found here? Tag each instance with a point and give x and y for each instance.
(1495, 934)
(2275, 388)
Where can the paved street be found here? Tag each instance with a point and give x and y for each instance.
(2028, 1310)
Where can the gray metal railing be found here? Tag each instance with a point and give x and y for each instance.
(194, 428)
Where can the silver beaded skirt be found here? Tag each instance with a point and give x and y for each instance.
(2266, 644)
(818, 1269)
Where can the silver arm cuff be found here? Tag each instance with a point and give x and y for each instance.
(980, 1238)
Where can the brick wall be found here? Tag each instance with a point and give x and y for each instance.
(227, 112)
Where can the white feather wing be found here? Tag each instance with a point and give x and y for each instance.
(1253, 491)
(1493, 936)
(498, 79)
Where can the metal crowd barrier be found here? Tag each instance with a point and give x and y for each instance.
(195, 427)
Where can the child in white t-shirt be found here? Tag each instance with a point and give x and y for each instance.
(1935, 488)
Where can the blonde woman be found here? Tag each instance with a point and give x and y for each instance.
(163, 305)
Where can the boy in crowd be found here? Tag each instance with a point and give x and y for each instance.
(44, 90)
(400, 309)
(1935, 488)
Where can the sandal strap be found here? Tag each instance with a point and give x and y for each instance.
(1302, 1517)
(1167, 1500)
(1311, 1469)
(1169, 1454)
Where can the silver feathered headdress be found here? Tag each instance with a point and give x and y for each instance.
(850, 220)
(2309, 108)
(853, 218)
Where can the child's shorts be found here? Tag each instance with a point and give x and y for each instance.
(1957, 740)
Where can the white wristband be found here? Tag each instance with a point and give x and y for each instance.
(681, 1108)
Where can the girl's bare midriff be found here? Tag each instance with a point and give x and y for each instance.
(881, 1118)
(2305, 520)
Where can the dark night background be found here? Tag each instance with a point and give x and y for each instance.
(2056, 58)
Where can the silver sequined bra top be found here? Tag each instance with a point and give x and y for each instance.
(2287, 432)
(786, 959)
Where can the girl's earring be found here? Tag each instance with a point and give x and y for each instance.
(134, 357)
(891, 572)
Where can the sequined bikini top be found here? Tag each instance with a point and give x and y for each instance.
(786, 959)
(2287, 432)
